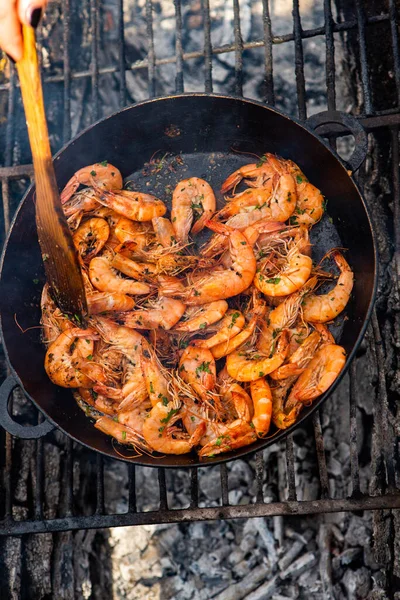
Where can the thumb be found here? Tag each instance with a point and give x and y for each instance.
(30, 11)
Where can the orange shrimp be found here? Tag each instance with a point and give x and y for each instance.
(262, 402)
(100, 175)
(325, 307)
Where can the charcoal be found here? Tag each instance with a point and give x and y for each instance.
(265, 591)
(357, 583)
(348, 556)
(293, 551)
(305, 562)
(358, 533)
(240, 590)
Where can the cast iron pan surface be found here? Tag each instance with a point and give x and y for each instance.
(209, 135)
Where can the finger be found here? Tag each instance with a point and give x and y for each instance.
(30, 11)
(10, 30)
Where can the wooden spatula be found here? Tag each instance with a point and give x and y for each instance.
(58, 250)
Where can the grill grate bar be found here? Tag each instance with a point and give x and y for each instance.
(396, 199)
(151, 55)
(319, 446)
(132, 507)
(291, 477)
(384, 472)
(329, 56)
(66, 71)
(208, 84)
(99, 485)
(361, 22)
(259, 477)
(194, 487)
(5, 193)
(69, 479)
(94, 15)
(224, 485)
(395, 45)
(7, 476)
(121, 54)
(38, 502)
(389, 501)
(278, 39)
(238, 48)
(178, 48)
(354, 466)
(299, 62)
(163, 489)
(269, 80)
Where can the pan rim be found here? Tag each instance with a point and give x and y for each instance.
(261, 443)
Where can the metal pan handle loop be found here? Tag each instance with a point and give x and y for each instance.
(356, 129)
(29, 432)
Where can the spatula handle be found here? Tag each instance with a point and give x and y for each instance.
(58, 251)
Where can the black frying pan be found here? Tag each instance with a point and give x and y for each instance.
(210, 133)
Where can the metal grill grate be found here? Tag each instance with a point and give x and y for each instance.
(383, 485)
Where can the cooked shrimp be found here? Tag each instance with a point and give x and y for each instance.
(299, 359)
(169, 285)
(325, 307)
(246, 366)
(134, 416)
(100, 175)
(156, 382)
(235, 396)
(131, 345)
(288, 279)
(262, 402)
(157, 431)
(127, 230)
(235, 435)
(218, 242)
(99, 302)
(285, 315)
(105, 279)
(131, 268)
(192, 199)
(163, 312)
(61, 366)
(222, 284)
(197, 367)
(90, 237)
(261, 172)
(82, 202)
(225, 348)
(319, 375)
(227, 328)
(247, 201)
(310, 202)
(165, 232)
(203, 316)
(133, 205)
(122, 433)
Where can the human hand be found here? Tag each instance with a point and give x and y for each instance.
(12, 14)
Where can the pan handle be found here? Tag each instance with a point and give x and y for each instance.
(356, 129)
(29, 432)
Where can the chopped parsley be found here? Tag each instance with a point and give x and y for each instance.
(104, 163)
(202, 325)
(123, 435)
(262, 160)
(203, 368)
(274, 280)
(235, 317)
(171, 413)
